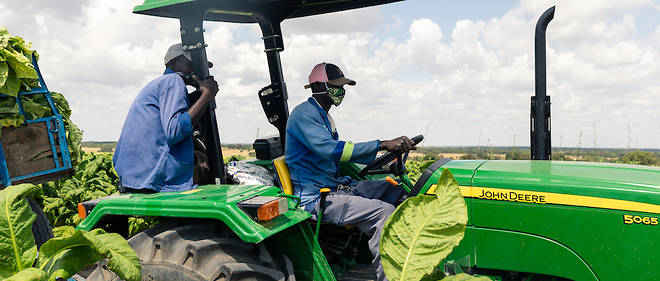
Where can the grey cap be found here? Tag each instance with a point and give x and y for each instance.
(175, 51)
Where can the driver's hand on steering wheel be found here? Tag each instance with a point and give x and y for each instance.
(400, 144)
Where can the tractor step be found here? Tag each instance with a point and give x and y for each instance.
(359, 272)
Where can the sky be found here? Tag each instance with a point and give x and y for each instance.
(459, 72)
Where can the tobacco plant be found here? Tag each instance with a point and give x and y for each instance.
(59, 257)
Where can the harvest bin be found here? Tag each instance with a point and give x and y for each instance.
(36, 151)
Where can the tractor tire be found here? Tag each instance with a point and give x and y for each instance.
(41, 226)
(199, 251)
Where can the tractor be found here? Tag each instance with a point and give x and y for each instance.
(527, 220)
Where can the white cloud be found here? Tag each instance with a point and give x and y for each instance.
(473, 80)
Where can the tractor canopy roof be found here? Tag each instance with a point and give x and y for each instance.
(243, 11)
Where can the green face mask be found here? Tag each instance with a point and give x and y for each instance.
(336, 95)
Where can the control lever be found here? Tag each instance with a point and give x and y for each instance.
(319, 213)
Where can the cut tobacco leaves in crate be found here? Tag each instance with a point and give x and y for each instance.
(38, 141)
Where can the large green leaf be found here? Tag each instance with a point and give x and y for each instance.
(422, 231)
(121, 257)
(63, 231)
(61, 103)
(4, 37)
(57, 257)
(4, 72)
(62, 257)
(20, 63)
(18, 44)
(35, 107)
(12, 84)
(16, 54)
(28, 274)
(17, 247)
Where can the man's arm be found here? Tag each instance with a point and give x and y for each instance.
(209, 89)
(318, 139)
(172, 105)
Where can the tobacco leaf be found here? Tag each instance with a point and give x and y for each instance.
(422, 231)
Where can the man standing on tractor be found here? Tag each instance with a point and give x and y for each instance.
(312, 154)
(155, 149)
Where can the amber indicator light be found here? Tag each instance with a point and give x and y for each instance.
(263, 208)
(81, 211)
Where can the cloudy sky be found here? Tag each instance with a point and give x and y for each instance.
(460, 72)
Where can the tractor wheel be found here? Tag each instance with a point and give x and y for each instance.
(41, 226)
(205, 251)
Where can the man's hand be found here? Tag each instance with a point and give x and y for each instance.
(401, 144)
(208, 86)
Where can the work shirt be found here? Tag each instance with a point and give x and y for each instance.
(313, 151)
(155, 148)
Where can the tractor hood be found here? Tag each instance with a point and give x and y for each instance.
(243, 11)
(623, 183)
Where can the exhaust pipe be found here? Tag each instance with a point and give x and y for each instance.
(540, 107)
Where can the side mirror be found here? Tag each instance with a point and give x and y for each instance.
(273, 100)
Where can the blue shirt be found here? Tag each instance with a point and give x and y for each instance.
(313, 151)
(155, 149)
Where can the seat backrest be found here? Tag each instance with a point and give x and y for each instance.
(283, 174)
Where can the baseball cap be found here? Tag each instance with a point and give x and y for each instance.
(330, 73)
(175, 51)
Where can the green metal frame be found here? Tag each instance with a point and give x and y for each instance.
(241, 11)
(207, 202)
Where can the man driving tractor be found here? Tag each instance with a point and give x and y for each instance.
(313, 152)
(155, 151)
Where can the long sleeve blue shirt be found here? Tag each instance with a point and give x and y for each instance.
(313, 151)
(155, 149)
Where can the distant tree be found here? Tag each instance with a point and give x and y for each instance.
(640, 158)
(468, 156)
(106, 148)
(429, 156)
(518, 155)
(560, 156)
(592, 158)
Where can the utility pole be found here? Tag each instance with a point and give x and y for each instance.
(579, 145)
(629, 136)
(479, 142)
(595, 135)
(514, 141)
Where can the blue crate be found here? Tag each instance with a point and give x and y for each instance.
(55, 126)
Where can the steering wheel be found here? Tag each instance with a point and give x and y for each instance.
(376, 166)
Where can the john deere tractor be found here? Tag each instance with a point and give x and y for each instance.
(528, 220)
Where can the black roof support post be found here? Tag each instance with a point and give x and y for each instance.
(540, 108)
(274, 44)
(192, 38)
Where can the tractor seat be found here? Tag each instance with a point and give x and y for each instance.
(283, 175)
(285, 179)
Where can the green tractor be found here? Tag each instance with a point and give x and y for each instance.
(528, 220)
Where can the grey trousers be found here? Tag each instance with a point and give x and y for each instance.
(366, 205)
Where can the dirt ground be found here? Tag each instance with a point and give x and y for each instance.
(226, 152)
(91, 149)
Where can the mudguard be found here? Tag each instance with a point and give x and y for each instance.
(206, 202)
